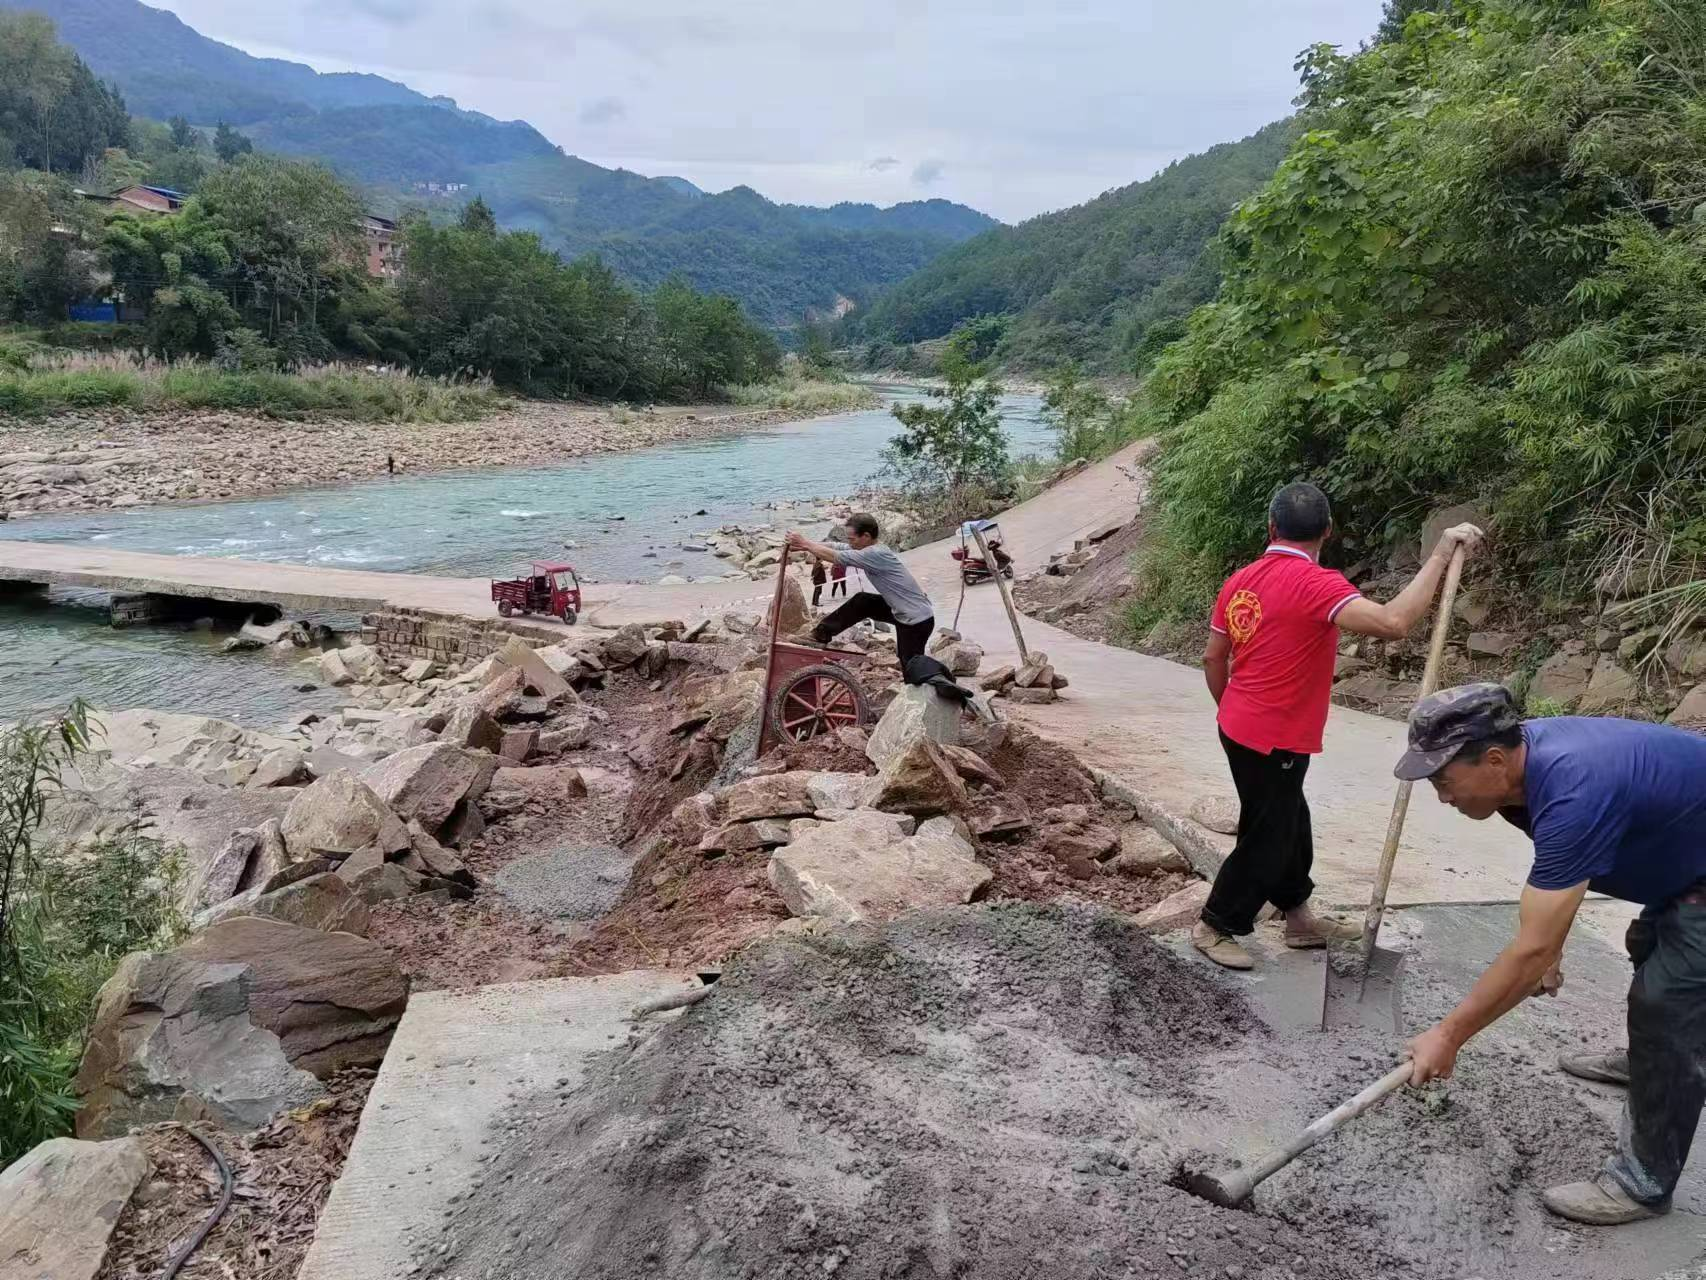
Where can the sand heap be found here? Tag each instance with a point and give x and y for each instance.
(1001, 1093)
(957, 1093)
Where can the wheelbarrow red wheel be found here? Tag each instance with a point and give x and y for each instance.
(816, 700)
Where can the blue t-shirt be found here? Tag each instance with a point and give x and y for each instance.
(1617, 803)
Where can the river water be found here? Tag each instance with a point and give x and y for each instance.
(626, 515)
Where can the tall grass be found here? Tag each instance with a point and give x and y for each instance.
(62, 381)
(67, 917)
(801, 393)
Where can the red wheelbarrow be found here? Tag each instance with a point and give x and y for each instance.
(809, 689)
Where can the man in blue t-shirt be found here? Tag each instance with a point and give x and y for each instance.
(1617, 807)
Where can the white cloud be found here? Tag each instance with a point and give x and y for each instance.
(1023, 107)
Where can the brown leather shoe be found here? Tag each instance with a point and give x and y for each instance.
(1222, 948)
(1326, 929)
(1607, 1068)
(1599, 1203)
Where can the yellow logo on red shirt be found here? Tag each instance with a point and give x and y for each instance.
(1243, 615)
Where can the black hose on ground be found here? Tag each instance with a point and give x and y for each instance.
(229, 1186)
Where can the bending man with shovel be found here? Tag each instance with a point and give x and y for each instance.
(1618, 807)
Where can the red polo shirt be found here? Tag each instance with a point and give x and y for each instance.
(1279, 614)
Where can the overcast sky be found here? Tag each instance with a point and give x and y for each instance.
(1012, 106)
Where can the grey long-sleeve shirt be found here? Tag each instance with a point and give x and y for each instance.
(892, 580)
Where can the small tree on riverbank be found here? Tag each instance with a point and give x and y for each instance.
(950, 459)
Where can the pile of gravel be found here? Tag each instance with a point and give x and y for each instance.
(576, 882)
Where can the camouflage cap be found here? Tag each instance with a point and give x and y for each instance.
(1444, 723)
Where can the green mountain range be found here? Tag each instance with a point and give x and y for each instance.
(1100, 283)
(781, 261)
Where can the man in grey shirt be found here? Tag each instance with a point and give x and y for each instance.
(897, 600)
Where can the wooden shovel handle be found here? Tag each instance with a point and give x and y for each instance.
(1401, 801)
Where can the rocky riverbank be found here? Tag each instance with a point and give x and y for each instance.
(105, 459)
(596, 805)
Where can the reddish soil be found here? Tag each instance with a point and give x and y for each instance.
(1041, 777)
(681, 910)
(283, 1174)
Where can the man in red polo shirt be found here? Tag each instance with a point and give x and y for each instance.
(1269, 665)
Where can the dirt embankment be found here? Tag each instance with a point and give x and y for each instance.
(98, 460)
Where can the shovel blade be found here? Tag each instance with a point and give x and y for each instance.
(1364, 997)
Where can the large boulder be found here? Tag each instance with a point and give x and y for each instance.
(1145, 851)
(430, 858)
(425, 784)
(771, 795)
(839, 790)
(235, 1026)
(1687, 656)
(1217, 813)
(920, 780)
(626, 647)
(1609, 688)
(962, 658)
(363, 662)
(248, 858)
(917, 711)
(60, 1203)
(333, 671)
(285, 767)
(537, 675)
(1690, 713)
(472, 726)
(323, 902)
(1176, 911)
(790, 615)
(858, 869)
(1563, 678)
(340, 815)
(387, 882)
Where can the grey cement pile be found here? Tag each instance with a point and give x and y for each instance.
(1001, 1093)
(576, 882)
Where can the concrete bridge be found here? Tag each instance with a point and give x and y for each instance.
(298, 588)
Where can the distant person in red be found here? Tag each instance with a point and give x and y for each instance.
(837, 581)
(1269, 664)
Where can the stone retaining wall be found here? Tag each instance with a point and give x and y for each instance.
(402, 635)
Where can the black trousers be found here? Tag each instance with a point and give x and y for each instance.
(1275, 848)
(817, 594)
(1667, 1050)
(909, 637)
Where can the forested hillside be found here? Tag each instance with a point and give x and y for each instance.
(1096, 283)
(780, 261)
(1480, 274)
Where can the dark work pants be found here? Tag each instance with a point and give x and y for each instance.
(1275, 848)
(909, 637)
(817, 594)
(1667, 1050)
